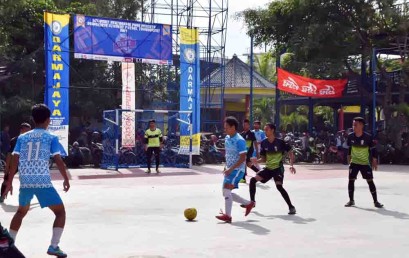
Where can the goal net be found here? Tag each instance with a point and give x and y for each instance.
(123, 138)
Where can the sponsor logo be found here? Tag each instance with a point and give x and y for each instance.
(290, 83)
(190, 55)
(310, 88)
(329, 90)
(56, 27)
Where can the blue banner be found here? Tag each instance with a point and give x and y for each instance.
(190, 88)
(57, 58)
(121, 40)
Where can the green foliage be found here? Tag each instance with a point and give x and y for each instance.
(263, 109)
(265, 64)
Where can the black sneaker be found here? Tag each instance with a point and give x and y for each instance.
(350, 204)
(148, 171)
(292, 211)
(378, 205)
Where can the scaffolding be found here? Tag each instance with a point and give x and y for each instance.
(210, 18)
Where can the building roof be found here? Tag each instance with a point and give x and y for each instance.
(237, 75)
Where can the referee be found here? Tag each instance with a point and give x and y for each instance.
(153, 144)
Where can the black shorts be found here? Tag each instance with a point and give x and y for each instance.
(366, 171)
(267, 174)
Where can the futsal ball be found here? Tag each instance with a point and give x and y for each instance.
(190, 214)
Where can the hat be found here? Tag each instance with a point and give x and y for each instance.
(25, 125)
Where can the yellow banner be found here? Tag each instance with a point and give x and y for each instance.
(60, 21)
(189, 36)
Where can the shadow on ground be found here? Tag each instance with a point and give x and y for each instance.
(293, 218)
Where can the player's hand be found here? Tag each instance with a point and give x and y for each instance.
(292, 170)
(66, 185)
(146, 147)
(9, 188)
(161, 146)
(227, 172)
(374, 164)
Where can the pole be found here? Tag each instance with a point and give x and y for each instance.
(373, 91)
(251, 79)
(117, 139)
(277, 95)
(190, 146)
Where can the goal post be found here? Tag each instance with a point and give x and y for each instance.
(123, 138)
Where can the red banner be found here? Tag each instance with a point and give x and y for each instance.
(303, 86)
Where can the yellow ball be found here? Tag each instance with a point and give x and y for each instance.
(190, 214)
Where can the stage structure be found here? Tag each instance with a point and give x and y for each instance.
(210, 18)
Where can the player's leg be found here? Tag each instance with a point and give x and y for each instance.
(278, 175)
(263, 176)
(157, 158)
(367, 174)
(24, 199)
(353, 172)
(48, 197)
(148, 158)
(3, 187)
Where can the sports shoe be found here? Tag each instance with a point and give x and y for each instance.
(378, 205)
(157, 171)
(350, 204)
(148, 171)
(1, 199)
(244, 206)
(249, 207)
(56, 252)
(242, 181)
(292, 211)
(224, 217)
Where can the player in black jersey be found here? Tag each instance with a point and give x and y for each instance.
(251, 143)
(272, 150)
(362, 158)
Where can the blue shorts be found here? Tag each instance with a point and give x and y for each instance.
(234, 178)
(46, 196)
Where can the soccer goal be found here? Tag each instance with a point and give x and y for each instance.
(123, 138)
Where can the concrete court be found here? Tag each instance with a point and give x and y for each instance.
(130, 214)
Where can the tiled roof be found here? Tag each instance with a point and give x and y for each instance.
(237, 75)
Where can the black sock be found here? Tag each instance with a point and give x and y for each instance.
(284, 193)
(351, 189)
(254, 168)
(252, 189)
(372, 188)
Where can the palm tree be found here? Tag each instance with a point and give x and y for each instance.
(265, 64)
(263, 109)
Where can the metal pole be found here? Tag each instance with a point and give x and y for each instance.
(277, 95)
(191, 143)
(251, 79)
(373, 91)
(116, 139)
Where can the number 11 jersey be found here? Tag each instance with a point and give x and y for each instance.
(35, 149)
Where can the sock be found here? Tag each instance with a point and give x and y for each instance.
(55, 240)
(239, 199)
(372, 188)
(157, 161)
(351, 189)
(228, 199)
(284, 193)
(252, 189)
(254, 168)
(13, 234)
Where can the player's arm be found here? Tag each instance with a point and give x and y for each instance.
(13, 161)
(8, 163)
(374, 154)
(256, 144)
(290, 153)
(146, 140)
(63, 171)
(161, 139)
(349, 150)
(56, 153)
